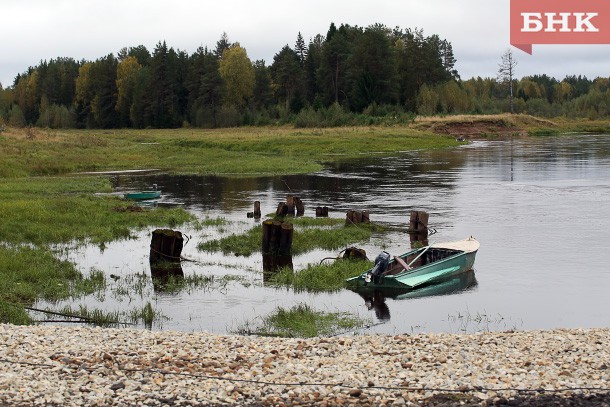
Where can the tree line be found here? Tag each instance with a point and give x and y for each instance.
(351, 75)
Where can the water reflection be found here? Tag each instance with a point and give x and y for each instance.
(274, 263)
(375, 299)
(165, 274)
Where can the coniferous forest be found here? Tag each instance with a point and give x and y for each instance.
(350, 75)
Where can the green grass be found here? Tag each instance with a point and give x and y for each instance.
(28, 274)
(302, 321)
(326, 277)
(254, 151)
(304, 238)
(41, 211)
(50, 210)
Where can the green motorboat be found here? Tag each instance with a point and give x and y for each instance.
(419, 266)
(142, 195)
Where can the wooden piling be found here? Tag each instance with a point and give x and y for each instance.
(277, 237)
(357, 217)
(418, 222)
(322, 212)
(285, 243)
(300, 208)
(365, 217)
(282, 209)
(257, 209)
(290, 202)
(267, 235)
(166, 245)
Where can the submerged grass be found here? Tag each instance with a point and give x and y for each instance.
(302, 321)
(327, 235)
(326, 277)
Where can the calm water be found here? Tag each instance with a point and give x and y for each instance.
(539, 208)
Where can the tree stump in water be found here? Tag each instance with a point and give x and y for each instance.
(299, 206)
(277, 237)
(418, 222)
(166, 245)
(357, 217)
(282, 209)
(293, 206)
(290, 202)
(322, 212)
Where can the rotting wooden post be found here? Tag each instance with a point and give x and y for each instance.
(357, 217)
(277, 237)
(282, 209)
(274, 242)
(267, 231)
(299, 206)
(365, 217)
(412, 222)
(418, 221)
(285, 244)
(290, 202)
(322, 212)
(349, 217)
(257, 209)
(166, 244)
(422, 220)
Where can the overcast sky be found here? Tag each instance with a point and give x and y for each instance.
(35, 30)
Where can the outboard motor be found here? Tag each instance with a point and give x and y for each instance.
(381, 264)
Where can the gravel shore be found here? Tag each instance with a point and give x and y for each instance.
(59, 365)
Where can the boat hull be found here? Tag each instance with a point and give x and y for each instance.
(142, 195)
(458, 258)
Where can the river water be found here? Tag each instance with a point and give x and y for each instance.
(538, 206)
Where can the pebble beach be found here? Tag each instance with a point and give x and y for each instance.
(83, 366)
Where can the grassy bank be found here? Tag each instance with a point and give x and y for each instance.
(249, 151)
(40, 212)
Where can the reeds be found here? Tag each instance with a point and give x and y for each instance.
(302, 321)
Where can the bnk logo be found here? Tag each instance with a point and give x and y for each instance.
(559, 22)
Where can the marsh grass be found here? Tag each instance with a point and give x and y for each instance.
(40, 212)
(147, 315)
(302, 321)
(177, 284)
(326, 277)
(260, 150)
(309, 234)
(59, 210)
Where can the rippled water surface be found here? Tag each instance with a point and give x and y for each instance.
(539, 208)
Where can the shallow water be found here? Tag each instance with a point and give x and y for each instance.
(539, 207)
